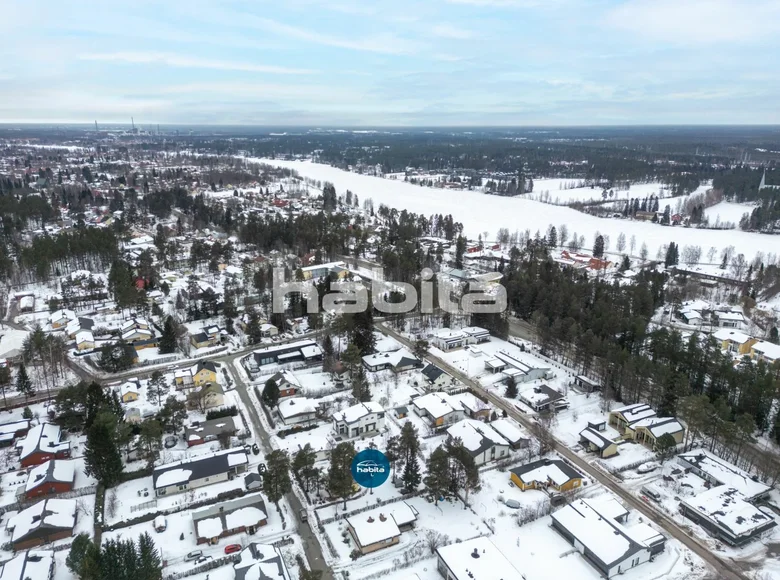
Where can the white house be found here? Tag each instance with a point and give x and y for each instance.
(448, 339)
(359, 419)
(476, 335)
(482, 441)
(297, 410)
(439, 408)
(398, 361)
(436, 378)
(730, 319)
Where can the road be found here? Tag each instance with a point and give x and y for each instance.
(311, 544)
(725, 570)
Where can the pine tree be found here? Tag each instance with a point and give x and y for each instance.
(328, 357)
(361, 390)
(303, 464)
(270, 395)
(340, 480)
(351, 357)
(78, 553)
(460, 249)
(437, 479)
(276, 477)
(511, 388)
(23, 383)
(411, 476)
(552, 237)
(168, 338)
(102, 459)
(149, 561)
(598, 247)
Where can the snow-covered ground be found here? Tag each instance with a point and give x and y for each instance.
(727, 212)
(561, 191)
(482, 213)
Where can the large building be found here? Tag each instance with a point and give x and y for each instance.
(302, 350)
(483, 443)
(42, 443)
(475, 559)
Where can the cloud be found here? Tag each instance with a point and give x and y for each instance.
(692, 22)
(450, 31)
(506, 3)
(176, 60)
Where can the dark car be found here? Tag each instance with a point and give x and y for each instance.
(261, 468)
(203, 559)
(255, 449)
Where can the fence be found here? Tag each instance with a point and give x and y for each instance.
(380, 503)
(24, 502)
(143, 506)
(210, 565)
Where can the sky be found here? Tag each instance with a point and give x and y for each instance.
(391, 62)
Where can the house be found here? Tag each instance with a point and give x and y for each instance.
(475, 559)
(360, 419)
(30, 565)
(27, 304)
(436, 378)
(211, 430)
(724, 513)
(647, 431)
(586, 384)
(475, 334)
(323, 270)
(9, 432)
(595, 441)
(483, 442)
(765, 351)
(54, 476)
(204, 470)
(260, 562)
(85, 340)
(510, 430)
(297, 411)
(734, 341)
(543, 398)
(398, 361)
(199, 374)
(47, 521)
(439, 408)
(61, 318)
(41, 444)
(472, 406)
(207, 396)
(268, 330)
(287, 382)
(373, 530)
(446, 339)
(200, 340)
(339, 373)
(302, 350)
(545, 474)
(243, 515)
(129, 391)
(607, 544)
(495, 365)
(730, 319)
(716, 471)
(253, 481)
(518, 370)
(625, 416)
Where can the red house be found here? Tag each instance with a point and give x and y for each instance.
(41, 445)
(52, 477)
(9, 432)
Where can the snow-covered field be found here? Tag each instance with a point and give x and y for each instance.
(560, 191)
(726, 211)
(482, 213)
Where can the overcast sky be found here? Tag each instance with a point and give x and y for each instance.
(391, 62)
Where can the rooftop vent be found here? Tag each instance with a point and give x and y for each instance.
(370, 520)
(474, 554)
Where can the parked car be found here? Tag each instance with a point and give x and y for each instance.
(203, 559)
(194, 555)
(256, 451)
(650, 493)
(261, 468)
(513, 504)
(648, 467)
(304, 515)
(232, 548)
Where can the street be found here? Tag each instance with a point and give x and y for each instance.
(725, 570)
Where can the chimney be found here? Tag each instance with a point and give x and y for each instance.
(370, 520)
(382, 518)
(475, 554)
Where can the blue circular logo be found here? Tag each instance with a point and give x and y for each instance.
(370, 468)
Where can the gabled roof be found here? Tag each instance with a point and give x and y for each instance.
(32, 565)
(43, 438)
(476, 436)
(183, 471)
(432, 372)
(49, 514)
(260, 562)
(52, 471)
(357, 412)
(555, 470)
(596, 438)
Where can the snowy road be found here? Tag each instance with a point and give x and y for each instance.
(725, 570)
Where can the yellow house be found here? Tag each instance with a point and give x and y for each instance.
(765, 351)
(734, 341)
(596, 442)
(623, 417)
(84, 340)
(128, 392)
(208, 396)
(204, 372)
(546, 474)
(647, 431)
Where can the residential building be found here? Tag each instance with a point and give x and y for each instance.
(475, 559)
(85, 340)
(512, 432)
(207, 396)
(724, 513)
(9, 432)
(253, 481)
(297, 411)
(261, 562)
(447, 339)
(625, 416)
(302, 350)
(268, 330)
(730, 319)
(129, 391)
(647, 431)
(47, 521)
(288, 383)
(244, 515)
(472, 406)
(543, 398)
(734, 341)
(199, 374)
(546, 474)
(439, 408)
(596, 442)
(50, 478)
(475, 334)
(716, 471)
(586, 384)
(322, 270)
(765, 351)
(61, 318)
(382, 527)
(30, 565)
(398, 361)
(605, 541)
(435, 377)
(192, 473)
(42, 443)
(520, 371)
(360, 419)
(483, 443)
(211, 430)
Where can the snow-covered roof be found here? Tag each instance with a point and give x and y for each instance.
(400, 357)
(84, 336)
(49, 513)
(730, 316)
(184, 470)
(43, 438)
(475, 331)
(719, 471)
(768, 349)
(726, 506)
(33, 564)
(636, 412)
(9, 430)
(543, 470)
(509, 429)
(602, 536)
(374, 526)
(63, 314)
(295, 406)
(596, 438)
(449, 335)
(51, 471)
(731, 335)
(173, 477)
(311, 351)
(470, 403)
(357, 412)
(436, 404)
(659, 425)
(260, 562)
(476, 435)
(478, 559)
